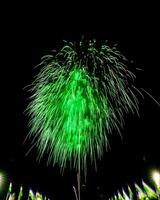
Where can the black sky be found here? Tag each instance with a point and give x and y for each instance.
(31, 31)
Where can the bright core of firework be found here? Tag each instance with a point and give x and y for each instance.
(79, 96)
(156, 177)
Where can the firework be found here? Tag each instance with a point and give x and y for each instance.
(31, 195)
(80, 95)
(141, 193)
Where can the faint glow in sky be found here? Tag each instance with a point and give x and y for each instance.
(1, 178)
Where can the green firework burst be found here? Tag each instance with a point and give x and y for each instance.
(79, 96)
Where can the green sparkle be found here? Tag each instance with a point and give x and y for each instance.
(68, 127)
(78, 97)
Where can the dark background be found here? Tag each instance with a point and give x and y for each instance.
(31, 31)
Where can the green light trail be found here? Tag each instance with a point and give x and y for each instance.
(80, 95)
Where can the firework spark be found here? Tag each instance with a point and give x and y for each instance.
(80, 95)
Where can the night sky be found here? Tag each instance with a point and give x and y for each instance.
(30, 32)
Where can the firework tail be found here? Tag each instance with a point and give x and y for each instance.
(145, 192)
(9, 191)
(20, 195)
